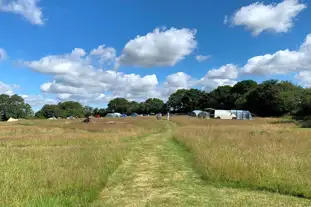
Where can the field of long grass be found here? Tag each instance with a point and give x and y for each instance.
(263, 154)
(70, 163)
(63, 163)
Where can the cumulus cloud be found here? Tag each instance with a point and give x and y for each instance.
(259, 17)
(158, 48)
(105, 54)
(29, 9)
(76, 78)
(85, 99)
(179, 80)
(281, 62)
(304, 78)
(201, 58)
(210, 84)
(37, 100)
(7, 88)
(228, 71)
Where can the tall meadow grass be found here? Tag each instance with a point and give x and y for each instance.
(261, 154)
(63, 163)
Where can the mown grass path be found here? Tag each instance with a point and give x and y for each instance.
(156, 173)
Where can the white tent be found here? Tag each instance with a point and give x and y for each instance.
(52, 118)
(113, 115)
(12, 120)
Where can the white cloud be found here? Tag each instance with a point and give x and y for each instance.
(159, 48)
(85, 99)
(7, 89)
(228, 71)
(201, 58)
(304, 78)
(179, 80)
(259, 17)
(3, 54)
(210, 84)
(38, 100)
(105, 54)
(76, 78)
(281, 62)
(29, 9)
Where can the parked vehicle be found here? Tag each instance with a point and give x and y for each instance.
(221, 114)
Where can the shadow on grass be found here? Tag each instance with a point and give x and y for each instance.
(303, 122)
(284, 121)
(300, 121)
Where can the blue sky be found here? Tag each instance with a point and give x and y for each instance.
(37, 41)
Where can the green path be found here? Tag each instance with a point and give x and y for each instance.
(156, 174)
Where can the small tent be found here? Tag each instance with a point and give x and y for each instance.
(12, 120)
(195, 113)
(113, 115)
(52, 118)
(204, 115)
(134, 114)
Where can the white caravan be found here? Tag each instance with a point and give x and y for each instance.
(223, 114)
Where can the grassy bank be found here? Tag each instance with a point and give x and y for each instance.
(63, 163)
(261, 154)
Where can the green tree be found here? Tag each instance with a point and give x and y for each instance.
(243, 87)
(28, 111)
(40, 114)
(133, 107)
(14, 106)
(153, 105)
(72, 108)
(120, 105)
(102, 112)
(141, 108)
(48, 111)
(223, 98)
(184, 100)
(88, 111)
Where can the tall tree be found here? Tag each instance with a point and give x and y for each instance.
(223, 97)
(14, 106)
(141, 108)
(88, 111)
(120, 105)
(153, 105)
(48, 111)
(72, 108)
(133, 107)
(184, 100)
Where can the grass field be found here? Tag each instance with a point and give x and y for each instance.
(61, 163)
(264, 154)
(144, 162)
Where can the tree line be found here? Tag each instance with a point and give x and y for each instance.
(269, 98)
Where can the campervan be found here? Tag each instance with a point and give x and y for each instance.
(222, 114)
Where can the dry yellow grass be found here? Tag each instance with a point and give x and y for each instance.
(259, 154)
(63, 163)
(68, 163)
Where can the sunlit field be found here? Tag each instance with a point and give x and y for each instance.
(61, 162)
(146, 162)
(263, 154)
